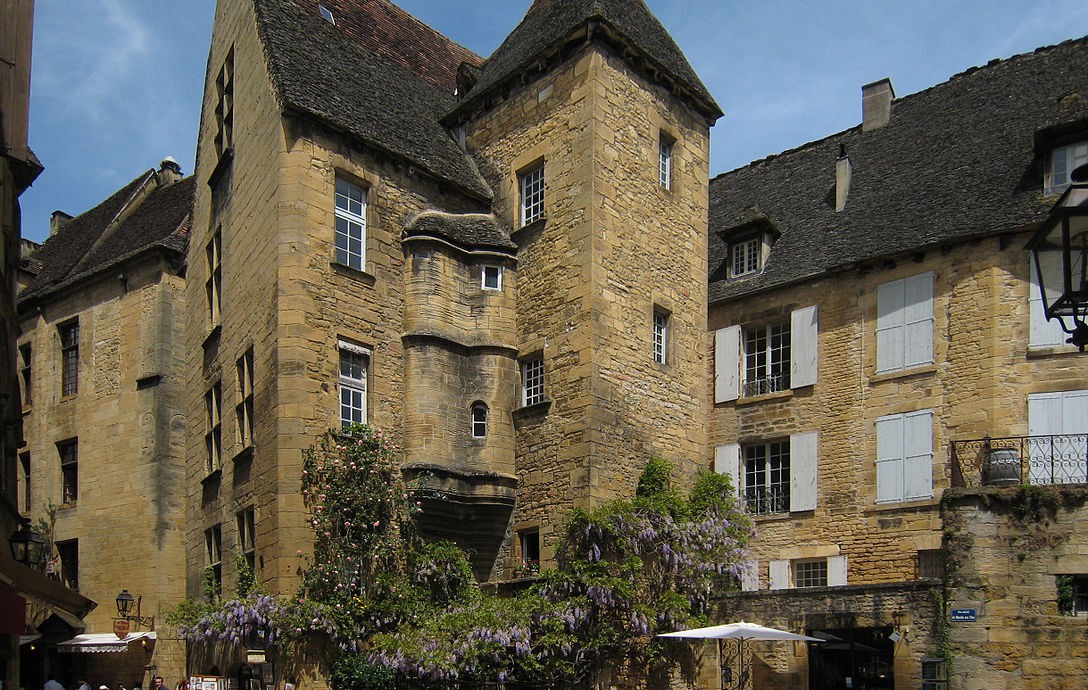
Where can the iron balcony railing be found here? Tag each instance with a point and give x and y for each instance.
(772, 383)
(765, 500)
(1040, 460)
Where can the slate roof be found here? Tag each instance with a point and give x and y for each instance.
(550, 23)
(469, 231)
(956, 161)
(92, 242)
(319, 69)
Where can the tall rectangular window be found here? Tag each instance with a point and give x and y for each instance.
(247, 543)
(664, 161)
(767, 477)
(531, 184)
(904, 457)
(661, 335)
(904, 323)
(491, 277)
(354, 361)
(213, 559)
(213, 286)
(350, 224)
(745, 256)
(1057, 428)
(24, 468)
(69, 470)
(1063, 161)
(25, 353)
(532, 381)
(68, 551)
(766, 359)
(69, 355)
(213, 427)
(243, 411)
(224, 107)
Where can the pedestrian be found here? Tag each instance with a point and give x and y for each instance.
(52, 684)
(183, 684)
(84, 685)
(157, 684)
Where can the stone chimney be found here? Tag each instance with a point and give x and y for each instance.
(57, 221)
(876, 104)
(169, 172)
(842, 178)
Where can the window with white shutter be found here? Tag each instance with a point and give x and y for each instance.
(904, 323)
(803, 462)
(1057, 425)
(780, 574)
(727, 462)
(727, 364)
(904, 457)
(774, 357)
(1042, 333)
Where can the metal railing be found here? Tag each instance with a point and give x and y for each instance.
(765, 500)
(1012, 460)
(767, 384)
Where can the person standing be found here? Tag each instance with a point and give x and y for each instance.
(52, 684)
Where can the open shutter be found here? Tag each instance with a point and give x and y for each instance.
(918, 320)
(749, 576)
(780, 574)
(1041, 333)
(803, 463)
(836, 571)
(803, 346)
(889, 458)
(727, 461)
(726, 364)
(918, 455)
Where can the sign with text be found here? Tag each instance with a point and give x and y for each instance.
(964, 615)
(121, 628)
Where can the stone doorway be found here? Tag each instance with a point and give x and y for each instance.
(854, 658)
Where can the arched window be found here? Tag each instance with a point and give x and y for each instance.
(479, 420)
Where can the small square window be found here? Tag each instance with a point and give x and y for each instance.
(491, 278)
(745, 257)
(532, 382)
(930, 564)
(810, 573)
(531, 184)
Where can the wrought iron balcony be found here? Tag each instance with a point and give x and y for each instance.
(765, 500)
(1040, 460)
(771, 383)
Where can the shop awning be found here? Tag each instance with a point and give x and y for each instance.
(30, 583)
(99, 643)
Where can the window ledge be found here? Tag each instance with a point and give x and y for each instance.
(530, 227)
(903, 373)
(535, 410)
(212, 338)
(221, 167)
(773, 517)
(915, 504)
(243, 455)
(1040, 351)
(213, 477)
(353, 273)
(753, 399)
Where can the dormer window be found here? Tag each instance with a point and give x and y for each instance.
(1063, 161)
(744, 256)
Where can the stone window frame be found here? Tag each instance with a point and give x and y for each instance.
(491, 277)
(478, 417)
(731, 365)
(213, 556)
(213, 285)
(767, 477)
(68, 333)
(767, 357)
(665, 149)
(1069, 157)
(26, 354)
(224, 107)
(68, 552)
(532, 380)
(353, 376)
(809, 572)
(1077, 602)
(904, 445)
(68, 452)
(662, 325)
(804, 462)
(213, 427)
(531, 193)
(905, 323)
(247, 538)
(244, 409)
(24, 467)
(745, 256)
(350, 203)
(790, 573)
(529, 546)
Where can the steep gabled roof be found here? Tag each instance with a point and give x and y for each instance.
(956, 161)
(468, 231)
(319, 69)
(550, 24)
(123, 226)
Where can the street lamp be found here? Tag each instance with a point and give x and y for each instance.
(125, 605)
(1060, 252)
(26, 544)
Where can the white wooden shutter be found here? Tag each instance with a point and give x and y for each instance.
(918, 455)
(1054, 414)
(836, 571)
(727, 364)
(749, 577)
(889, 326)
(889, 458)
(918, 320)
(727, 461)
(1041, 333)
(780, 574)
(804, 346)
(803, 468)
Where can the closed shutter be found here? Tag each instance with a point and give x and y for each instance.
(1041, 333)
(803, 346)
(727, 461)
(780, 574)
(803, 468)
(749, 577)
(918, 455)
(889, 326)
(727, 364)
(889, 458)
(836, 571)
(1051, 416)
(918, 320)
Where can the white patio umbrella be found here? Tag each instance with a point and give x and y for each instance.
(740, 632)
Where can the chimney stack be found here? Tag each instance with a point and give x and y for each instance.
(57, 221)
(876, 104)
(169, 172)
(842, 178)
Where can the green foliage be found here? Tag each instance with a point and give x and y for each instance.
(354, 671)
(1066, 596)
(246, 581)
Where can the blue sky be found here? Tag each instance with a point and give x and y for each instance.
(116, 84)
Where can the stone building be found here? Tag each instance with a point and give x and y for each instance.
(102, 465)
(879, 351)
(501, 260)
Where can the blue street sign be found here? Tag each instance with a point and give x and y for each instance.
(964, 615)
